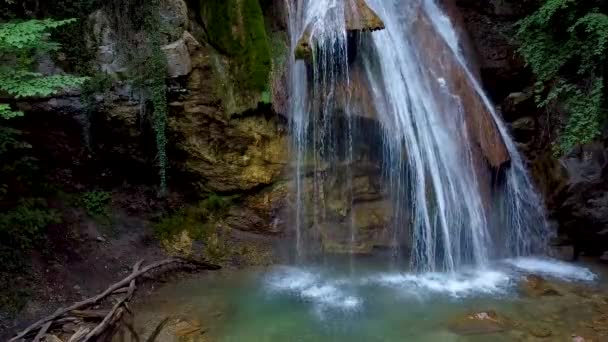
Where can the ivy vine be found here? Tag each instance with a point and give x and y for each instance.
(157, 86)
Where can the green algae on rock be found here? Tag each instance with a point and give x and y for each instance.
(236, 29)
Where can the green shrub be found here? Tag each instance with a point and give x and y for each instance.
(565, 42)
(96, 203)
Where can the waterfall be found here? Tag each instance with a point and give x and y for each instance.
(459, 189)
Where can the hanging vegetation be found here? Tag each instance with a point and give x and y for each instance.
(565, 42)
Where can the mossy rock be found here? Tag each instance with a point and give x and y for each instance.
(236, 29)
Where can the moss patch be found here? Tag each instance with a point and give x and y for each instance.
(198, 223)
(236, 29)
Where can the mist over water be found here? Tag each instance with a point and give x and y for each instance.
(459, 191)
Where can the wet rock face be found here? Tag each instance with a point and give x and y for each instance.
(345, 202)
(490, 25)
(583, 204)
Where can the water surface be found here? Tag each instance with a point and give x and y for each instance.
(337, 302)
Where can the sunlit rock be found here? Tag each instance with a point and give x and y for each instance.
(358, 17)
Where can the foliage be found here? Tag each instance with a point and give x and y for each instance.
(96, 203)
(29, 34)
(23, 216)
(21, 228)
(157, 88)
(565, 42)
(20, 42)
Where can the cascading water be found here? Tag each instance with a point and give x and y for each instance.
(394, 141)
(459, 189)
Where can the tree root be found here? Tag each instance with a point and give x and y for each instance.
(82, 310)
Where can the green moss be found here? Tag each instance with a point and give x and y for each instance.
(198, 220)
(236, 29)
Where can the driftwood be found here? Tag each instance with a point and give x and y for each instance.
(79, 310)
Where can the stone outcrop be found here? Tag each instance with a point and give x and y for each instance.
(358, 17)
(178, 58)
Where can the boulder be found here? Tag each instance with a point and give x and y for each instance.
(178, 58)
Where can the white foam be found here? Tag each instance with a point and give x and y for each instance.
(324, 293)
(553, 268)
(456, 285)
(327, 291)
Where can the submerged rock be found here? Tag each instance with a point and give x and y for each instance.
(540, 331)
(484, 322)
(536, 286)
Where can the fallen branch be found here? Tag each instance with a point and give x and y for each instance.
(128, 282)
(91, 314)
(159, 328)
(109, 317)
(43, 331)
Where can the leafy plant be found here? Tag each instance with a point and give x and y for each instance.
(96, 203)
(565, 42)
(19, 43)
